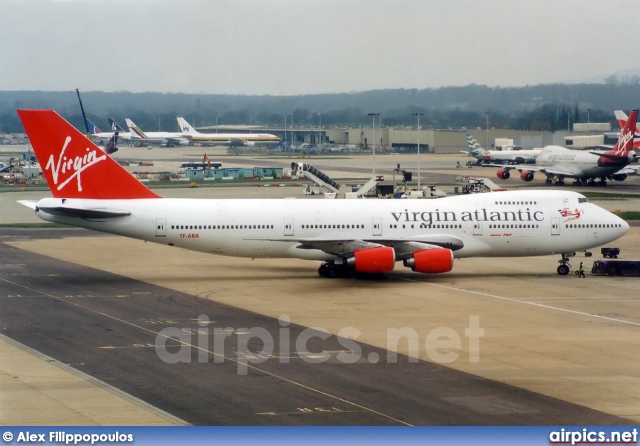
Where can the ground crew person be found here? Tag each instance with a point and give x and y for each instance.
(581, 270)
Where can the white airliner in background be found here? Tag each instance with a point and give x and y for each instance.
(91, 190)
(95, 132)
(234, 139)
(584, 166)
(501, 156)
(168, 138)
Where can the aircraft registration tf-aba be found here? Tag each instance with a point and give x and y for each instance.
(92, 191)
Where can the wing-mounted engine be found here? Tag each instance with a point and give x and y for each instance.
(503, 174)
(526, 175)
(373, 260)
(430, 261)
(619, 176)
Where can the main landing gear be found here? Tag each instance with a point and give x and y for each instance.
(565, 267)
(333, 270)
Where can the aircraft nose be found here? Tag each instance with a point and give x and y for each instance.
(624, 226)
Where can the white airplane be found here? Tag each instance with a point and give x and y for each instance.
(92, 191)
(95, 132)
(501, 156)
(168, 138)
(584, 166)
(234, 139)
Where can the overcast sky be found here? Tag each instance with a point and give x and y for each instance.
(290, 47)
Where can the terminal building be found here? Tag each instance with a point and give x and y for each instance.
(396, 139)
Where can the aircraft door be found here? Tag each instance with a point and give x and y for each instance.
(377, 226)
(161, 227)
(288, 226)
(477, 228)
(555, 226)
(565, 203)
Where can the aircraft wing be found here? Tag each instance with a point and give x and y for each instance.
(554, 170)
(629, 170)
(402, 247)
(518, 167)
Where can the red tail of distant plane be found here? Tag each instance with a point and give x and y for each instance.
(73, 166)
(625, 142)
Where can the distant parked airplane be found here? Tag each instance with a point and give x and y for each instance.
(234, 139)
(585, 166)
(167, 138)
(501, 156)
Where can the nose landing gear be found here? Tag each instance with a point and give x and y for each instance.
(565, 266)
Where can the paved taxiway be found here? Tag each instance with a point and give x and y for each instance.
(555, 350)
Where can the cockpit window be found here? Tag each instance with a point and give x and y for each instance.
(583, 200)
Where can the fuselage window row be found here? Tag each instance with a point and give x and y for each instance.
(222, 227)
(332, 227)
(591, 225)
(517, 203)
(512, 226)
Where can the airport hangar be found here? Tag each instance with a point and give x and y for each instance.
(403, 139)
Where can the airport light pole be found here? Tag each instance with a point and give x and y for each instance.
(291, 142)
(588, 121)
(418, 115)
(373, 140)
(216, 123)
(250, 131)
(285, 128)
(487, 113)
(319, 129)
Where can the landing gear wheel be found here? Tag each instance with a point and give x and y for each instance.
(563, 270)
(331, 270)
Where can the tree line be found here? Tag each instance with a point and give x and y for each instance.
(548, 107)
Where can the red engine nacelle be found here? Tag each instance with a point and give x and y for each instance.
(373, 260)
(526, 175)
(503, 174)
(430, 261)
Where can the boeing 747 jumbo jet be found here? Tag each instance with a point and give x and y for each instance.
(584, 166)
(233, 139)
(92, 191)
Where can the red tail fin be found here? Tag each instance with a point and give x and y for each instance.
(73, 166)
(625, 142)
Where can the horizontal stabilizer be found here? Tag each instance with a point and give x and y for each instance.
(29, 203)
(65, 211)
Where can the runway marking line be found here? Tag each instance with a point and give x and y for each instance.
(253, 367)
(512, 299)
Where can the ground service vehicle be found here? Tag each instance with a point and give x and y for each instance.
(616, 267)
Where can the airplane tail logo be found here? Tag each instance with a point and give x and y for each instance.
(112, 145)
(75, 167)
(475, 149)
(93, 129)
(625, 142)
(135, 130)
(114, 126)
(621, 118)
(185, 127)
